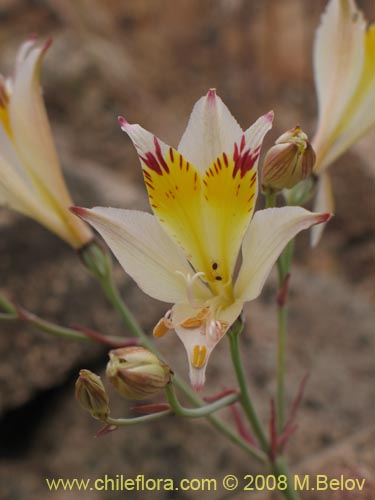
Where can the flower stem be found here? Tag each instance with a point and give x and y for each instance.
(245, 398)
(283, 266)
(118, 422)
(280, 468)
(202, 411)
(281, 341)
(6, 306)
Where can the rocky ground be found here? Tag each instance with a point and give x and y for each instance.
(151, 61)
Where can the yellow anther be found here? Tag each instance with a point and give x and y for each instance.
(203, 313)
(224, 325)
(196, 321)
(160, 329)
(191, 323)
(199, 356)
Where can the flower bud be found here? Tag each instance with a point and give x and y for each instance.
(136, 373)
(91, 394)
(288, 162)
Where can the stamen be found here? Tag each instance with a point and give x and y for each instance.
(199, 356)
(215, 330)
(191, 323)
(190, 279)
(196, 321)
(168, 319)
(160, 329)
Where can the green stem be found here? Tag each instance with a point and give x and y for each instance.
(137, 420)
(283, 268)
(280, 394)
(245, 398)
(8, 317)
(56, 330)
(283, 265)
(6, 306)
(203, 411)
(280, 468)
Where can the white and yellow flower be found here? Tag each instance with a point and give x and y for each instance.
(203, 195)
(31, 181)
(344, 69)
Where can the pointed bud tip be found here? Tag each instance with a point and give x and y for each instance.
(211, 95)
(324, 217)
(270, 115)
(122, 121)
(79, 211)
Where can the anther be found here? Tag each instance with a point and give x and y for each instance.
(199, 356)
(196, 321)
(161, 328)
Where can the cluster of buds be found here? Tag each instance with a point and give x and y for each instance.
(288, 162)
(134, 372)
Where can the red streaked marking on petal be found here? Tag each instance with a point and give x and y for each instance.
(171, 155)
(225, 158)
(159, 155)
(244, 160)
(152, 163)
(242, 145)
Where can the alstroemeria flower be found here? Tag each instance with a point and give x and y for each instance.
(344, 68)
(31, 181)
(203, 195)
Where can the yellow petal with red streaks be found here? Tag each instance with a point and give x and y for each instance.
(174, 189)
(229, 196)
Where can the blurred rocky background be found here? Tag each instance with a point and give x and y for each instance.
(150, 61)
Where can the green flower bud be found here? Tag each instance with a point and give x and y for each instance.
(136, 373)
(288, 162)
(91, 394)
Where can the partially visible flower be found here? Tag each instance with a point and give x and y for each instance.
(344, 68)
(31, 181)
(91, 395)
(203, 196)
(136, 373)
(288, 162)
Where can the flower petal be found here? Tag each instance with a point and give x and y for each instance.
(200, 341)
(174, 189)
(18, 195)
(229, 196)
(211, 131)
(31, 131)
(324, 202)
(359, 116)
(268, 233)
(143, 249)
(338, 65)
